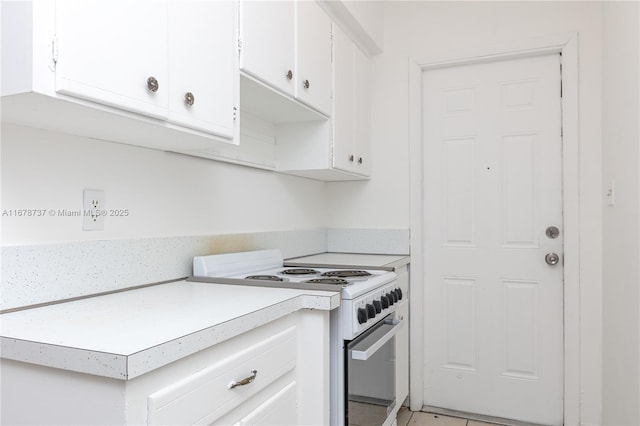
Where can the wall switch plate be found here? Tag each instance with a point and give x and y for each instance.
(93, 209)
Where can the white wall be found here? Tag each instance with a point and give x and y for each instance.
(621, 222)
(419, 29)
(166, 194)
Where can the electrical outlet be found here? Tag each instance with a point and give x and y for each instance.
(93, 210)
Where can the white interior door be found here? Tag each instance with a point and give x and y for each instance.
(493, 306)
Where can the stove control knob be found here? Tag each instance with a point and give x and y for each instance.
(362, 316)
(399, 293)
(395, 296)
(391, 299)
(371, 311)
(377, 304)
(384, 300)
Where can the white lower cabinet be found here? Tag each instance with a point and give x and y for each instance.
(273, 374)
(276, 410)
(213, 392)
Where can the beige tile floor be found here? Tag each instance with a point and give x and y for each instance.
(408, 418)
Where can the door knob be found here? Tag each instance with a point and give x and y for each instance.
(552, 258)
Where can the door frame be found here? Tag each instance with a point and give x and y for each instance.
(567, 46)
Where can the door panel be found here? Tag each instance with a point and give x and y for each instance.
(492, 182)
(459, 192)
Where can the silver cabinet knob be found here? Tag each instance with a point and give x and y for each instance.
(552, 259)
(306, 84)
(189, 99)
(351, 158)
(152, 84)
(359, 160)
(289, 75)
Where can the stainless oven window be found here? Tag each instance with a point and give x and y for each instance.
(370, 385)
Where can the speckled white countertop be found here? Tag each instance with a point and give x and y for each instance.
(127, 334)
(352, 260)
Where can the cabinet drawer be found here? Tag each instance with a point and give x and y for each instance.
(274, 411)
(206, 395)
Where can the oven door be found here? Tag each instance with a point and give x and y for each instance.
(370, 377)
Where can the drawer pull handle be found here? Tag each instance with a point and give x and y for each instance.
(244, 381)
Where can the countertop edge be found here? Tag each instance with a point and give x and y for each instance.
(130, 366)
(390, 266)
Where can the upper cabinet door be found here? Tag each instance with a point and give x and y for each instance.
(351, 106)
(267, 37)
(202, 65)
(343, 101)
(313, 83)
(362, 112)
(114, 53)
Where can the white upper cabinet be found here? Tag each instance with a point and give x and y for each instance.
(339, 149)
(352, 107)
(268, 42)
(202, 65)
(167, 59)
(268, 84)
(113, 53)
(313, 56)
(161, 74)
(286, 45)
(362, 113)
(344, 100)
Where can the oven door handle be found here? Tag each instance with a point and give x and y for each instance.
(366, 353)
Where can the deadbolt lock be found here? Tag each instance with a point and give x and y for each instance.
(552, 232)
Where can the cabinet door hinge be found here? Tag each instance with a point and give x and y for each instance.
(560, 75)
(239, 44)
(235, 113)
(54, 50)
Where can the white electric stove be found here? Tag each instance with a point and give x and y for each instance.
(362, 329)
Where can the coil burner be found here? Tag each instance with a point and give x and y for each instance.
(334, 281)
(265, 278)
(299, 272)
(347, 273)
